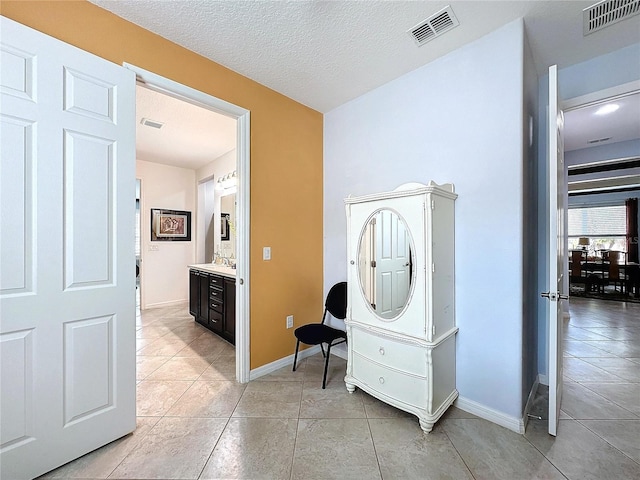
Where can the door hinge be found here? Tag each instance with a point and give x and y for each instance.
(433, 330)
(433, 204)
(373, 264)
(433, 267)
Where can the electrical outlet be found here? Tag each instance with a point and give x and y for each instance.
(266, 253)
(289, 321)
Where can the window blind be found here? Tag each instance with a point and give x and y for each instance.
(597, 221)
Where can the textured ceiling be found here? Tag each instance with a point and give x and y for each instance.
(325, 53)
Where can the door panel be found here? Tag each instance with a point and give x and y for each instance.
(556, 242)
(67, 284)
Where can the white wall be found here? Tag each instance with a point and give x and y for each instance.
(219, 167)
(164, 274)
(457, 119)
(530, 225)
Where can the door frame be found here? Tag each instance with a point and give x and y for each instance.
(243, 144)
(582, 101)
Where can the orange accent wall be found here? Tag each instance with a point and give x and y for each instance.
(286, 161)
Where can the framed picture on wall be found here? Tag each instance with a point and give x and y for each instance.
(170, 225)
(224, 226)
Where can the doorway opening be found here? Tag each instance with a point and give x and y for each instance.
(241, 116)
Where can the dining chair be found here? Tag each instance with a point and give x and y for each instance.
(320, 333)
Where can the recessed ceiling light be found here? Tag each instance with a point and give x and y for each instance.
(151, 123)
(608, 108)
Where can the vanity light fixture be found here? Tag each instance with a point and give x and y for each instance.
(229, 180)
(608, 108)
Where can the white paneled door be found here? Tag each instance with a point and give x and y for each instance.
(393, 260)
(557, 249)
(67, 293)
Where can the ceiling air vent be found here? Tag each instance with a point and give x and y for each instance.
(151, 123)
(607, 12)
(434, 26)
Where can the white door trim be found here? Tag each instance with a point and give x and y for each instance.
(243, 139)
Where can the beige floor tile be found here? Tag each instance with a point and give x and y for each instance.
(578, 348)
(152, 332)
(375, 408)
(622, 434)
(181, 368)
(580, 370)
(627, 395)
(582, 403)
(334, 449)
(208, 399)
(100, 463)
(217, 371)
(146, 365)
(206, 345)
(494, 453)
(330, 403)
(156, 397)
(405, 451)
(176, 448)
(625, 369)
(581, 454)
(270, 400)
(253, 448)
(162, 346)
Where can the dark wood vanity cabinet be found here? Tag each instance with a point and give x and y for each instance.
(212, 302)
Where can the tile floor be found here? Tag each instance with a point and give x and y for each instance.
(195, 421)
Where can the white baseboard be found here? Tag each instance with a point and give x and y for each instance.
(512, 423)
(172, 303)
(530, 399)
(281, 363)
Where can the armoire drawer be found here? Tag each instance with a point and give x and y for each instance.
(403, 387)
(407, 358)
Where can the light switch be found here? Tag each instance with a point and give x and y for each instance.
(266, 253)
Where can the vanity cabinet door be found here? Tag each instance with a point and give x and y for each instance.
(194, 292)
(229, 332)
(203, 310)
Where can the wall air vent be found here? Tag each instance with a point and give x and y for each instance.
(151, 123)
(607, 12)
(434, 26)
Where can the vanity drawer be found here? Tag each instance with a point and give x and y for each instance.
(216, 281)
(216, 295)
(394, 384)
(400, 356)
(215, 305)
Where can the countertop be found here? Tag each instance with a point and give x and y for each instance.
(213, 268)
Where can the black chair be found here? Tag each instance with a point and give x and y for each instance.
(319, 333)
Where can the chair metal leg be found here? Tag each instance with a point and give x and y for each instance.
(295, 357)
(322, 348)
(326, 367)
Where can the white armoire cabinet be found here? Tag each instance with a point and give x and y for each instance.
(401, 316)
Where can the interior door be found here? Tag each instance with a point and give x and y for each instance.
(555, 214)
(67, 283)
(392, 264)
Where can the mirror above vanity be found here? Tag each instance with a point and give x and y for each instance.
(385, 263)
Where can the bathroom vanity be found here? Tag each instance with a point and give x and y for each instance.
(400, 316)
(212, 298)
